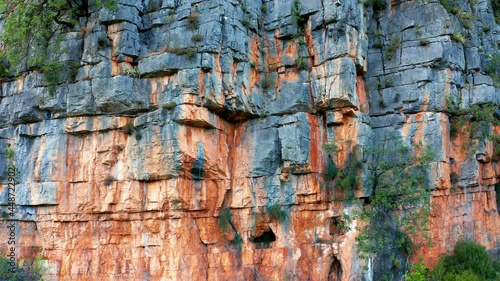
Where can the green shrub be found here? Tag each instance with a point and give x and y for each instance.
(463, 276)
(132, 71)
(469, 260)
(197, 37)
(169, 105)
(302, 63)
(246, 22)
(424, 42)
(129, 128)
(458, 37)
(263, 9)
(493, 68)
(9, 153)
(193, 21)
(225, 218)
(393, 46)
(418, 272)
(269, 81)
(449, 5)
(276, 212)
(331, 170)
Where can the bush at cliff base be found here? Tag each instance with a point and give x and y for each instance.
(469, 261)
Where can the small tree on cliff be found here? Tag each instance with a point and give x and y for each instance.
(399, 205)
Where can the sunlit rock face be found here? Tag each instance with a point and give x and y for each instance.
(183, 112)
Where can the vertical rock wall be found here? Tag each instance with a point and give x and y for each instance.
(167, 124)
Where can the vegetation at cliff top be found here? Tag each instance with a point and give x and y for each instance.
(31, 33)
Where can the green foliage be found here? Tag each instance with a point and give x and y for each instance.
(263, 9)
(129, 128)
(346, 179)
(418, 272)
(331, 148)
(458, 37)
(225, 218)
(296, 10)
(378, 45)
(393, 46)
(400, 203)
(169, 105)
(469, 261)
(418, 30)
(30, 270)
(496, 10)
(269, 81)
(193, 21)
(276, 212)
(493, 68)
(196, 37)
(496, 143)
(189, 52)
(132, 71)
(462, 276)
(479, 118)
(302, 63)
(9, 153)
(31, 30)
(424, 42)
(331, 170)
(246, 22)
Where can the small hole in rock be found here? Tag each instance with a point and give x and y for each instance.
(264, 240)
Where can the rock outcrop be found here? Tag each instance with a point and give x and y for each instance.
(183, 114)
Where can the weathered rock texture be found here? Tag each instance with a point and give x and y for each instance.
(124, 171)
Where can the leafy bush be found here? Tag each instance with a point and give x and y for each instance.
(132, 71)
(129, 128)
(458, 37)
(399, 180)
(424, 42)
(9, 153)
(197, 37)
(302, 63)
(276, 212)
(269, 81)
(418, 272)
(469, 261)
(193, 21)
(493, 68)
(225, 218)
(393, 46)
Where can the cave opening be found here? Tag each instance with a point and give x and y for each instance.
(263, 241)
(335, 273)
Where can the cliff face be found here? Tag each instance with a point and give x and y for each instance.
(183, 109)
